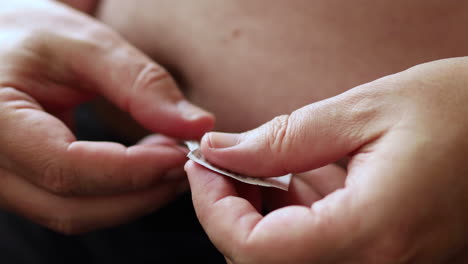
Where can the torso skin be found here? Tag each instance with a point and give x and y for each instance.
(250, 60)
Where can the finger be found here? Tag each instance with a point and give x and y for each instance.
(158, 139)
(325, 180)
(212, 195)
(309, 138)
(240, 232)
(42, 149)
(74, 215)
(135, 84)
(249, 192)
(306, 188)
(92, 59)
(87, 6)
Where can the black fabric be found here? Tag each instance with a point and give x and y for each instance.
(170, 235)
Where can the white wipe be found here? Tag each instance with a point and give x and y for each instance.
(195, 154)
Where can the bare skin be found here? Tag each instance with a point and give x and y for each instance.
(53, 58)
(403, 197)
(404, 194)
(270, 59)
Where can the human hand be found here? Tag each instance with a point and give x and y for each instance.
(86, 6)
(403, 199)
(53, 58)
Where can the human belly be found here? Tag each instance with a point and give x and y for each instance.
(250, 60)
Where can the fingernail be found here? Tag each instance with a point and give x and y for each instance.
(176, 174)
(190, 111)
(222, 140)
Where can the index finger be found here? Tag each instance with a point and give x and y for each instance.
(137, 85)
(293, 234)
(224, 215)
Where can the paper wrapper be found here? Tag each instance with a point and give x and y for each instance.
(195, 154)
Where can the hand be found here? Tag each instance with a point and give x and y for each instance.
(86, 6)
(403, 199)
(53, 58)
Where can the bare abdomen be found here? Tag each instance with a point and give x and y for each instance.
(250, 60)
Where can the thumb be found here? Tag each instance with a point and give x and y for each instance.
(308, 138)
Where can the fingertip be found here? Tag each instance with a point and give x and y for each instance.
(188, 167)
(224, 215)
(200, 126)
(191, 112)
(232, 152)
(205, 143)
(198, 121)
(198, 174)
(218, 140)
(157, 139)
(208, 185)
(216, 145)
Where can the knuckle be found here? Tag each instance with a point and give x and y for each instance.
(279, 135)
(150, 73)
(14, 99)
(38, 42)
(34, 60)
(10, 94)
(151, 78)
(57, 179)
(88, 46)
(133, 181)
(99, 41)
(103, 37)
(27, 52)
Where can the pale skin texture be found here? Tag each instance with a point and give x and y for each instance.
(53, 58)
(248, 61)
(402, 198)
